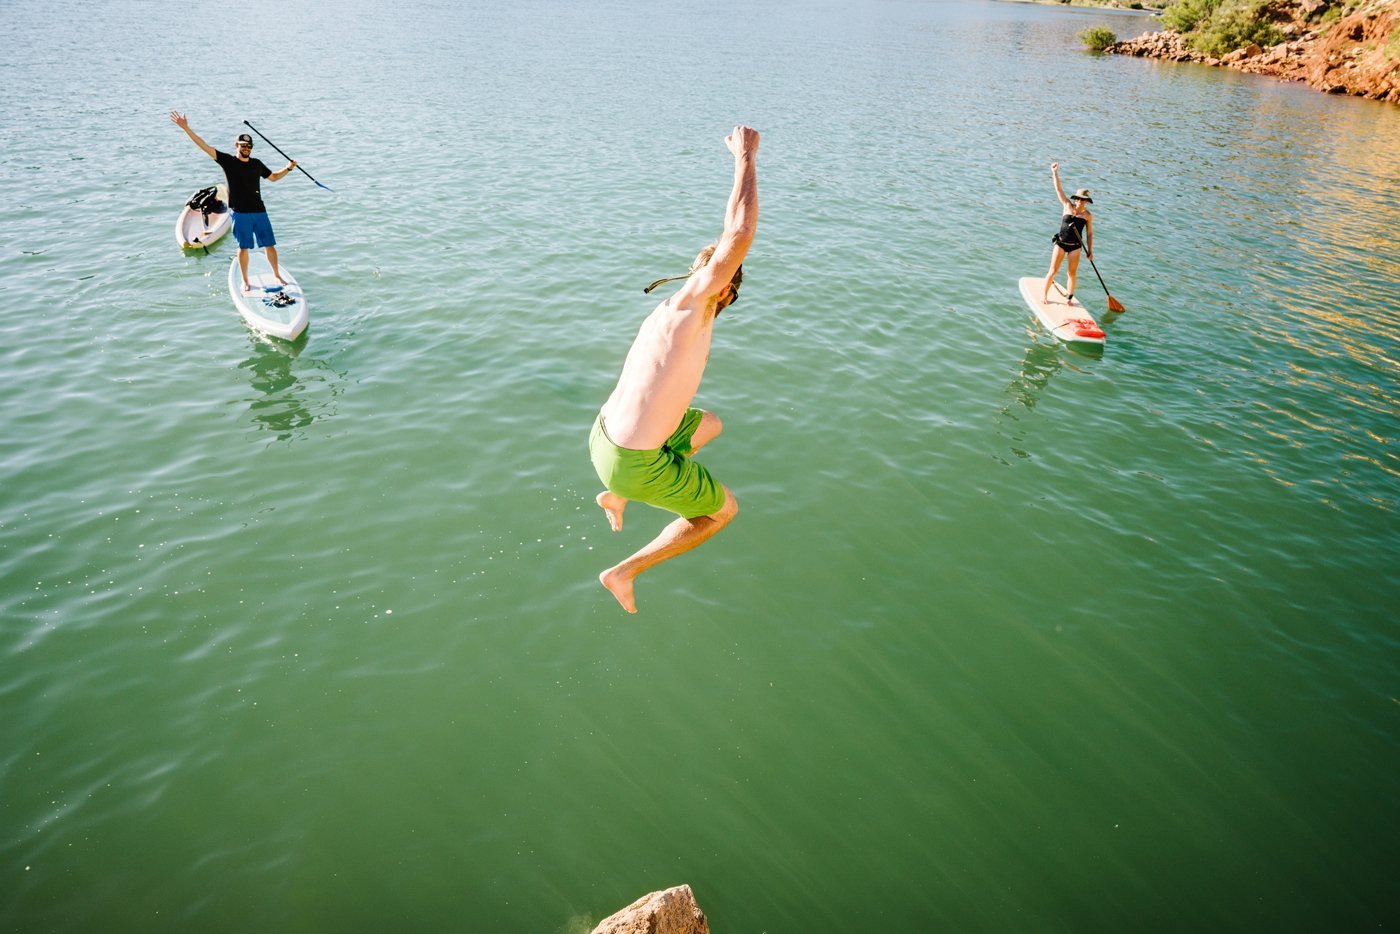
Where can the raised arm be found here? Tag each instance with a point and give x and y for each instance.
(179, 120)
(740, 221)
(1059, 192)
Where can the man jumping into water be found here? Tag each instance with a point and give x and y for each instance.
(643, 438)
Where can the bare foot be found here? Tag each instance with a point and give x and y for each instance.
(620, 586)
(281, 280)
(247, 287)
(612, 505)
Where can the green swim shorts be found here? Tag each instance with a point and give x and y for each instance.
(663, 477)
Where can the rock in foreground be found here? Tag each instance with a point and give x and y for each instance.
(671, 911)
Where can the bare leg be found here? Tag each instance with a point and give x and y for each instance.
(1073, 269)
(1057, 256)
(272, 258)
(709, 428)
(676, 539)
(243, 265)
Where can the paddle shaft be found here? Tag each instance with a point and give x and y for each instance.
(285, 156)
(1096, 271)
(1113, 304)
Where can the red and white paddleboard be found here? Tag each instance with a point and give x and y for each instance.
(1066, 319)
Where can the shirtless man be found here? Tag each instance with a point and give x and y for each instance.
(644, 437)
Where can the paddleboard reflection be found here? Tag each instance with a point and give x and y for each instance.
(1041, 362)
(292, 392)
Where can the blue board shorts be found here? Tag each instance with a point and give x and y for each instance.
(252, 230)
(663, 477)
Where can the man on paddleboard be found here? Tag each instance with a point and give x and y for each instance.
(644, 437)
(251, 227)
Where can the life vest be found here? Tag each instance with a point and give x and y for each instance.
(206, 201)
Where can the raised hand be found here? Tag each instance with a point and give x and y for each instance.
(743, 141)
(179, 120)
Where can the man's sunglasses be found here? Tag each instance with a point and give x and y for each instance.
(737, 279)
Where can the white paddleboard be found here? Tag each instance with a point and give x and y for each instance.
(1065, 318)
(193, 230)
(270, 307)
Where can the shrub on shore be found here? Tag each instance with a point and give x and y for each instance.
(1235, 28)
(1218, 27)
(1097, 38)
(1187, 14)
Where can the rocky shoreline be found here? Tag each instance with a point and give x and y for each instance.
(1354, 54)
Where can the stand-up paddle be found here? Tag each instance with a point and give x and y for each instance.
(308, 174)
(1113, 303)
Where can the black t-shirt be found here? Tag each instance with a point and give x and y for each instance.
(244, 179)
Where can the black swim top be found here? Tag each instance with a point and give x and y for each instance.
(1071, 235)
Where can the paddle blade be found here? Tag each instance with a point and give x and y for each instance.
(327, 187)
(1115, 305)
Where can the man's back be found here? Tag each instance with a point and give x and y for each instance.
(661, 375)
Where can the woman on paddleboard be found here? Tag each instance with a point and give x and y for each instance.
(1076, 230)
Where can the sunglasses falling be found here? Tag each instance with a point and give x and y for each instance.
(648, 289)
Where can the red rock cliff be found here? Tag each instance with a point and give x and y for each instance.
(1355, 54)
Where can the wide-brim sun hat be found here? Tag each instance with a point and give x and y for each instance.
(1083, 195)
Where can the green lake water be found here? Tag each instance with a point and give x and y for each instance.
(1006, 637)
